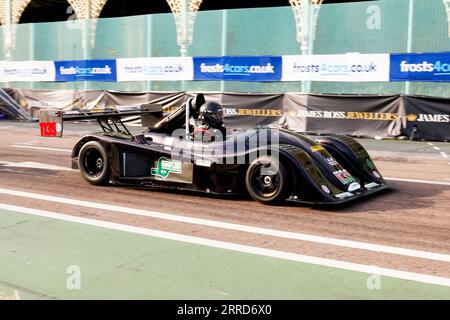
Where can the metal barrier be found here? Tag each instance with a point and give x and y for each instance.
(10, 108)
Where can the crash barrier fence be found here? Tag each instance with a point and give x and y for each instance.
(415, 117)
(350, 67)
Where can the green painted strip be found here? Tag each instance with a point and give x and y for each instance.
(35, 253)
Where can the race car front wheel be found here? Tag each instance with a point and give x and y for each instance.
(267, 182)
(93, 163)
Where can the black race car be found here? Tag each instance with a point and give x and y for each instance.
(270, 164)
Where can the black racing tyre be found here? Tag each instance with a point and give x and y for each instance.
(265, 184)
(93, 163)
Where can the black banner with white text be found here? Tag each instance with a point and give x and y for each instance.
(384, 116)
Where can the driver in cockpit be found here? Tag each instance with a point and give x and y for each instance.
(211, 126)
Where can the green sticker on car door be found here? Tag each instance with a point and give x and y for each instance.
(172, 170)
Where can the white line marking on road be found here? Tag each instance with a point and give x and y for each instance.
(6, 127)
(441, 183)
(436, 148)
(29, 143)
(34, 165)
(235, 227)
(444, 155)
(405, 275)
(41, 148)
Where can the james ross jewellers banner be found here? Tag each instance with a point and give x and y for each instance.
(356, 115)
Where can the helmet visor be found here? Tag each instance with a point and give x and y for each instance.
(217, 116)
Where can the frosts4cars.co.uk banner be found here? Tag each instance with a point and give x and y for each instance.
(86, 70)
(420, 67)
(28, 71)
(350, 67)
(238, 68)
(159, 69)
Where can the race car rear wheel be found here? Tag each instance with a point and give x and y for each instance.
(267, 182)
(93, 163)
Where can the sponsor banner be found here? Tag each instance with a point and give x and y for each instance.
(18, 71)
(365, 115)
(427, 118)
(161, 69)
(336, 67)
(35, 100)
(250, 110)
(371, 116)
(238, 68)
(356, 115)
(86, 70)
(420, 67)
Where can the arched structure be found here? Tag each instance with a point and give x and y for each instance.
(46, 11)
(15, 11)
(123, 8)
(184, 13)
(92, 8)
(84, 9)
(12, 10)
(87, 9)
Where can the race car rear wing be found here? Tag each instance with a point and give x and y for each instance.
(51, 122)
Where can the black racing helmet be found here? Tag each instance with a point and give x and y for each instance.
(211, 113)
